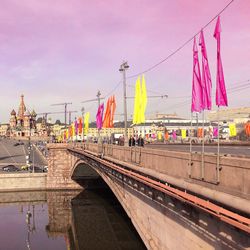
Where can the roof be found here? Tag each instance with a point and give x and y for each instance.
(33, 113)
(13, 112)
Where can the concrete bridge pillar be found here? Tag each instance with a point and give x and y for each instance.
(60, 163)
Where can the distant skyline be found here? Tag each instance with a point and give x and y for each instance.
(57, 51)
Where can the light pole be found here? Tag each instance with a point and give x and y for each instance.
(99, 102)
(123, 69)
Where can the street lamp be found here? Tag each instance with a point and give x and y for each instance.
(124, 66)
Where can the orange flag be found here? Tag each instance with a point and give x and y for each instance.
(112, 111)
(80, 125)
(70, 131)
(106, 116)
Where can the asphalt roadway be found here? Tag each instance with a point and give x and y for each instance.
(16, 155)
(234, 150)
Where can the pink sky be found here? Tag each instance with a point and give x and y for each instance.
(56, 51)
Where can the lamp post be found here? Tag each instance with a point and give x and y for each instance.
(124, 66)
(99, 102)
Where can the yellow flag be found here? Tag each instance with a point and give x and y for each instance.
(183, 133)
(159, 136)
(144, 100)
(136, 116)
(232, 129)
(67, 134)
(86, 123)
(73, 130)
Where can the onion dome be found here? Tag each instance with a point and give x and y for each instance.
(27, 113)
(33, 113)
(13, 112)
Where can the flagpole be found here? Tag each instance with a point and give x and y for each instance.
(203, 146)
(190, 149)
(218, 148)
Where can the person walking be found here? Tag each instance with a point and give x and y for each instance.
(131, 141)
(140, 141)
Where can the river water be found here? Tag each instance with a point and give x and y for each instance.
(65, 220)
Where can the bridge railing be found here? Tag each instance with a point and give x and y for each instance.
(234, 172)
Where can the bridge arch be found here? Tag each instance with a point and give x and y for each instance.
(85, 175)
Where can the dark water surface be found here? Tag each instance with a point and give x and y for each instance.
(65, 220)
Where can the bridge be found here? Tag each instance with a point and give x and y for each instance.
(173, 200)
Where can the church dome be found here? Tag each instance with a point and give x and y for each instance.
(13, 112)
(27, 113)
(33, 113)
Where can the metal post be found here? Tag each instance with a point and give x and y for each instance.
(203, 147)
(123, 69)
(218, 150)
(33, 158)
(125, 109)
(190, 156)
(69, 117)
(65, 114)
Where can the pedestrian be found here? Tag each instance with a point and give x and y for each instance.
(140, 141)
(131, 141)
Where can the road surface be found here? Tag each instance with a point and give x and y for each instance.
(16, 155)
(226, 150)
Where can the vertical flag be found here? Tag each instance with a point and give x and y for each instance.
(232, 129)
(112, 111)
(80, 125)
(76, 127)
(183, 133)
(174, 135)
(99, 116)
(107, 115)
(73, 130)
(70, 131)
(67, 134)
(86, 123)
(221, 94)
(215, 132)
(247, 128)
(136, 116)
(206, 82)
(197, 99)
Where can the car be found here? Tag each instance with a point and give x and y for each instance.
(25, 167)
(36, 169)
(16, 144)
(10, 168)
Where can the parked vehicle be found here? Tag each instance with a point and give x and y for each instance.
(36, 169)
(10, 168)
(25, 167)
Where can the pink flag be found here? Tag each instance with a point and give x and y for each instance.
(215, 132)
(197, 99)
(206, 82)
(76, 127)
(221, 94)
(99, 116)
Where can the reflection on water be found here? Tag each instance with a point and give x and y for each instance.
(65, 220)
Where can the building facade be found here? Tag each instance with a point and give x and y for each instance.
(22, 123)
